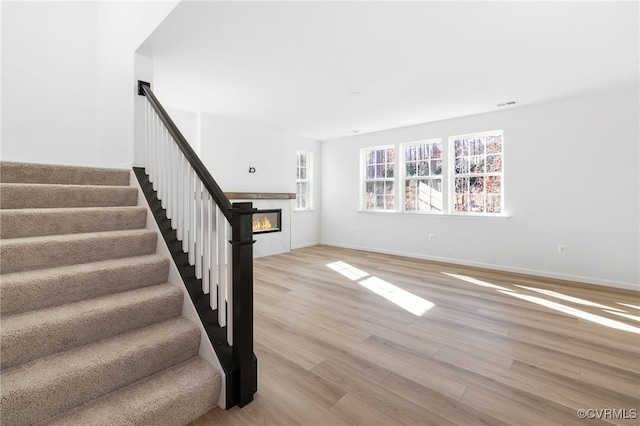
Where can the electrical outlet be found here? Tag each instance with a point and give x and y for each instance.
(431, 237)
(562, 249)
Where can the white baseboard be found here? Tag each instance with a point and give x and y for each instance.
(299, 246)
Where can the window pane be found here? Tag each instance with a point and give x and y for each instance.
(302, 195)
(410, 169)
(494, 163)
(477, 147)
(462, 165)
(371, 172)
(476, 185)
(436, 167)
(493, 184)
(462, 185)
(494, 144)
(476, 203)
(389, 170)
(493, 204)
(461, 147)
(477, 164)
(462, 203)
(423, 168)
(410, 153)
(410, 191)
(436, 150)
(302, 173)
(391, 155)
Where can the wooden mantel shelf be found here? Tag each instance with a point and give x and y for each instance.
(260, 195)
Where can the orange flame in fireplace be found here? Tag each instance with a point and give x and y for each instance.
(261, 224)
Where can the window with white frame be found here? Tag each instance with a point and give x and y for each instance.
(463, 177)
(423, 176)
(477, 173)
(304, 164)
(379, 180)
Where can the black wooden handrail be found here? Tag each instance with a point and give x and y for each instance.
(214, 189)
(241, 367)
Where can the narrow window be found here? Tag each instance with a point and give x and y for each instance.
(379, 188)
(478, 173)
(423, 176)
(303, 180)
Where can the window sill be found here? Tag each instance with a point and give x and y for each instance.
(440, 215)
(304, 210)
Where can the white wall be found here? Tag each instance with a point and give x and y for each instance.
(230, 146)
(571, 170)
(68, 79)
(49, 82)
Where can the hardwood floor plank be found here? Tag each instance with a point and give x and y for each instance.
(370, 392)
(308, 383)
(448, 408)
(357, 412)
(496, 348)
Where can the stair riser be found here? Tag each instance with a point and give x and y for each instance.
(23, 255)
(25, 338)
(69, 175)
(58, 391)
(20, 223)
(54, 287)
(27, 196)
(173, 397)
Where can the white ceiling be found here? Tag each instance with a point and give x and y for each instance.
(296, 65)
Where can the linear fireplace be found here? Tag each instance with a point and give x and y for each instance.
(267, 221)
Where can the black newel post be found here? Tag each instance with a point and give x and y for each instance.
(242, 255)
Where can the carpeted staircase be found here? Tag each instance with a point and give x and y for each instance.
(91, 332)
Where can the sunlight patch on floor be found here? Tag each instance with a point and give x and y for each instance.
(394, 294)
(628, 305)
(347, 270)
(477, 282)
(569, 298)
(560, 307)
(575, 312)
(622, 314)
(407, 301)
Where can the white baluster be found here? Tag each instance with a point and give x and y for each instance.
(229, 275)
(198, 240)
(206, 242)
(192, 214)
(179, 196)
(215, 288)
(175, 155)
(185, 206)
(154, 151)
(222, 279)
(147, 137)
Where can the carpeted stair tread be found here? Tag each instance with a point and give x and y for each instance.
(25, 254)
(47, 387)
(70, 175)
(20, 223)
(29, 196)
(44, 288)
(172, 397)
(34, 334)
(92, 331)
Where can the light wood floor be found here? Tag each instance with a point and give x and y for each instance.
(333, 352)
